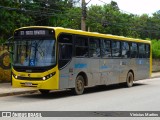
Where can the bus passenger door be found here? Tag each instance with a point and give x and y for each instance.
(64, 59)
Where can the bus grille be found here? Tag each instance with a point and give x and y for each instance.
(29, 78)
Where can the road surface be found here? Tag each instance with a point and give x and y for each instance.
(143, 96)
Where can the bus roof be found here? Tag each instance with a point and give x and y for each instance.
(94, 34)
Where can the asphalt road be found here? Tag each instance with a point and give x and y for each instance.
(143, 96)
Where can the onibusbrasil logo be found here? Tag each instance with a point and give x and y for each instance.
(21, 114)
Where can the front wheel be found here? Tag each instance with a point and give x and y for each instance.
(130, 79)
(79, 85)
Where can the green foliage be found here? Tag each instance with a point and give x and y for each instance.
(69, 19)
(16, 14)
(156, 48)
(11, 19)
(107, 19)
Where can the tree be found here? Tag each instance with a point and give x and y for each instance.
(114, 5)
(155, 25)
(155, 49)
(11, 17)
(109, 19)
(15, 14)
(95, 19)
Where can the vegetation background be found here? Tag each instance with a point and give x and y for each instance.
(107, 19)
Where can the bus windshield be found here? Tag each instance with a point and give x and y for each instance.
(34, 53)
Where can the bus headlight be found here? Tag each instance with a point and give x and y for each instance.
(44, 78)
(15, 76)
(49, 76)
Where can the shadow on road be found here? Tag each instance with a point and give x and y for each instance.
(102, 88)
(69, 93)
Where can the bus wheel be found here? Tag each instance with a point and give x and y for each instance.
(130, 79)
(44, 92)
(79, 85)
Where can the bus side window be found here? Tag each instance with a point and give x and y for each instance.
(134, 50)
(105, 48)
(125, 50)
(81, 46)
(94, 47)
(142, 51)
(116, 49)
(64, 49)
(65, 52)
(147, 51)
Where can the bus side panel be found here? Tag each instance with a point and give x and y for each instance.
(146, 68)
(66, 76)
(90, 67)
(69, 73)
(143, 68)
(108, 72)
(93, 69)
(125, 66)
(139, 66)
(109, 69)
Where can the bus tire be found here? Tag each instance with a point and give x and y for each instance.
(44, 92)
(129, 79)
(79, 85)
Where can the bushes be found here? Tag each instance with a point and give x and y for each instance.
(155, 48)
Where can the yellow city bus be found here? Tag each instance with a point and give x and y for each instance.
(54, 58)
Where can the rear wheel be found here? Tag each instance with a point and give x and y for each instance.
(44, 92)
(79, 85)
(130, 79)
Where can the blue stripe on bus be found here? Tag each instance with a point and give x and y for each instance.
(140, 62)
(64, 76)
(103, 67)
(80, 66)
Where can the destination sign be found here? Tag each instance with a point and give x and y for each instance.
(33, 32)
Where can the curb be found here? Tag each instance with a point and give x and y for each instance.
(18, 93)
(155, 77)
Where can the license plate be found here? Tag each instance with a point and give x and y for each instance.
(28, 84)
